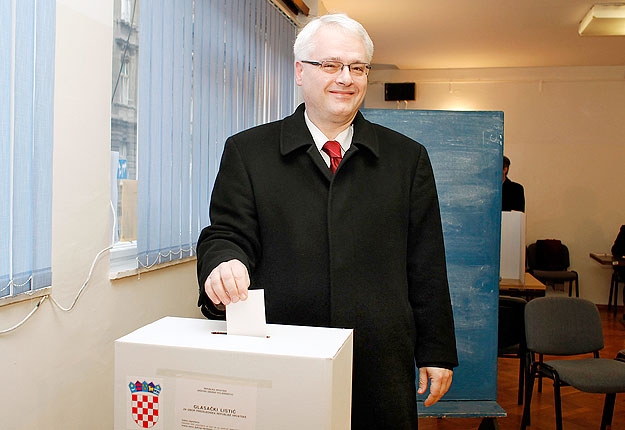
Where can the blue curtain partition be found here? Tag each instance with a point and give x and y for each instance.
(466, 149)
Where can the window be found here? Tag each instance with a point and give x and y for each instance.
(206, 70)
(27, 32)
(124, 85)
(124, 122)
(126, 8)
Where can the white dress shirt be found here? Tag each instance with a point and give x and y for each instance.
(344, 138)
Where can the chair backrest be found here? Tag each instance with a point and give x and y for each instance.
(562, 326)
(548, 254)
(511, 322)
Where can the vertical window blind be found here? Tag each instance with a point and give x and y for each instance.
(27, 35)
(207, 69)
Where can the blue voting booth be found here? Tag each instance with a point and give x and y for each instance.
(466, 150)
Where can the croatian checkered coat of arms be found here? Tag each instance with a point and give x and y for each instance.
(145, 403)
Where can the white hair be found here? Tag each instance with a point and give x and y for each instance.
(305, 41)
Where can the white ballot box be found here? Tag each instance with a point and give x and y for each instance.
(512, 258)
(183, 373)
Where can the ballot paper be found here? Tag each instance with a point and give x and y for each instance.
(247, 317)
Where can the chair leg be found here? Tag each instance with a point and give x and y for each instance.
(570, 288)
(576, 282)
(521, 379)
(558, 403)
(529, 387)
(608, 409)
(528, 362)
(623, 298)
(540, 376)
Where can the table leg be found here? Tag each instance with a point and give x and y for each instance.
(489, 423)
(616, 297)
(611, 290)
(621, 320)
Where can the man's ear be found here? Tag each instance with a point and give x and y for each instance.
(299, 68)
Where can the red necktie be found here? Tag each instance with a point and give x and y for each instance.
(333, 149)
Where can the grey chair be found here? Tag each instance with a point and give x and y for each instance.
(568, 326)
(548, 261)
(511, 336)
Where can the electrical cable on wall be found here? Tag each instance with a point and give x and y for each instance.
(25, 318)
(80, 291)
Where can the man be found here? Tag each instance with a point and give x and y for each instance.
(618, 251)
(618, 247)
(512, 194)
(344, 234)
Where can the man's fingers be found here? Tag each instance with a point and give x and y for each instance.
(423, 381)
(440, 381)
(435, 392)
(210, 291)
(446, 383)
(241, 279)
(218, 287)
(227, 283)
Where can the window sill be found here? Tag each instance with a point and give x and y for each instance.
(123, 258)
(123, 261)
(25, 296)
(138, 272)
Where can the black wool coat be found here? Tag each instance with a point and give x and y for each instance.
(360, 249)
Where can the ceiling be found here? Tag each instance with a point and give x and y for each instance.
(448, 34)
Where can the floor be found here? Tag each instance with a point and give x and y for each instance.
(580, 411)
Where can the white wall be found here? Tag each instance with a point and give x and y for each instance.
(57, 369)
(564, 131)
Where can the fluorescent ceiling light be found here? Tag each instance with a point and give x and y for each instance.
(604, 19)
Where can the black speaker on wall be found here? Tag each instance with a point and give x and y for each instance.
(394, 91)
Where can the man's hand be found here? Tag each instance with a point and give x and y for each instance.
(227, 283)
(441, 380)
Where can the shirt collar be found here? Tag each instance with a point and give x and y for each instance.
(293, 136)
(344, 138)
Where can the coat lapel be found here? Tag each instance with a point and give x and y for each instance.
(365, 135)
(295, 135)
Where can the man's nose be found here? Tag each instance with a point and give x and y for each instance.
(344, 76)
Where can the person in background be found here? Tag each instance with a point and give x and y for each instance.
(618, 248)
(618, 251)
(512, 194)
(337, 219)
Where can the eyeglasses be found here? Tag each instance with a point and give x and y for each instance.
(332, 67)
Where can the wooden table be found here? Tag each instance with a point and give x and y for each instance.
(607, 259)
(513, 287)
